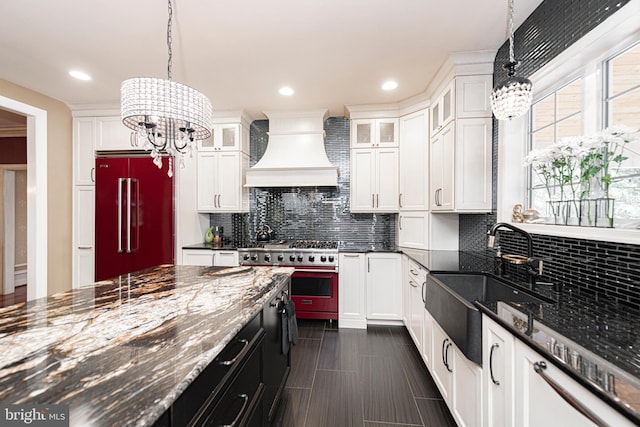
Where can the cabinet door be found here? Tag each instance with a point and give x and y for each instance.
(363, 133)
(202, 257)
(362, 184)
(442, 375)
(351, 291)
(497, 354)
(472, 96)
(447, 105)
(386, 174)
(467, 390)
(417, 305)
(384, 286)
(226, 259)
(427, 339)
(229, 182)
(412, 229)
(112, 134)
(442, 169)
(537, 404)
(206, 182)
(473, 172)
(84, 250)
(414, 162)
(84, 132)
(386, 133)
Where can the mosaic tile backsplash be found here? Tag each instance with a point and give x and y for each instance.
(315, 213)
(610, 272)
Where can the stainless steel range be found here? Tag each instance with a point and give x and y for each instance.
(314, 284)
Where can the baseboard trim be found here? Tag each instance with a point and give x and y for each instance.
(20, 275)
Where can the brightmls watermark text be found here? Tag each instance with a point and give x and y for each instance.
(34, 415)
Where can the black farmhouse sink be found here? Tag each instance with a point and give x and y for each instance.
(450, 298)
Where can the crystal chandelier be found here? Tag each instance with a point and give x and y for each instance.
(165, 116)
(512, 97)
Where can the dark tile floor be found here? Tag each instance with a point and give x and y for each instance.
(365, 378)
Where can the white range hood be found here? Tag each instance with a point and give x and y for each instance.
(295, 155)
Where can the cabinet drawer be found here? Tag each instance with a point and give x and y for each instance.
(236, 405)
(315, 303)
(215, 377)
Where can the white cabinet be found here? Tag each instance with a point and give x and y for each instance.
(538, 404)
(368, 133)
(220, 181)
(414, 162)
(424, 230)
(442, 169)
(459, 380)
(384, 286)
(374, 180)
(351, 291)
(83, 235)
(497, 374)
(415, 278)
(461, 146)
(226, 137)
(207, 257)
(84, 134)
(112, 134)
(427, 339)
(442, 109)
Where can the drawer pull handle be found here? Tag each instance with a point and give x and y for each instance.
(306, 301)
(539, 367)
(235, 359)
(236, 420)
(493, 347)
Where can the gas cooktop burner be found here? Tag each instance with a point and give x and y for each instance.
(315, 244)
(292, 253)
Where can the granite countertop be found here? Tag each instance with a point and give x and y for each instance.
(581, 321)
(121, 351)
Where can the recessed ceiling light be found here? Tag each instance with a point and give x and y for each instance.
(79, 75)
(286, 91)
(390, 85)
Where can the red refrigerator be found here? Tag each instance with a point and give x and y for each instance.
(134, 215)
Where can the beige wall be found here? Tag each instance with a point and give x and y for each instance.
(59, 181)
(21, 217)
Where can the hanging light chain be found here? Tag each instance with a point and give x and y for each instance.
(169, 39)
(511, 55)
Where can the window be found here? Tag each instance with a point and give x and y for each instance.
(557, 115)
(622, 107)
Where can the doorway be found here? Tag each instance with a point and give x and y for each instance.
(36, 194)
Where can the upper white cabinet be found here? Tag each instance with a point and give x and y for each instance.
(222, 162)
(461, 147)
(112, 134)
(221, 181)
(226, 137)
(374, 180)
(414, 162)
(368, 133)
(84, 135)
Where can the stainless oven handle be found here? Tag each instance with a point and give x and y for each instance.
(302, 270)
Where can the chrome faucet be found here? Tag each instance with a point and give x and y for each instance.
(534, 265)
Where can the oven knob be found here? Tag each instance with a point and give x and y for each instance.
(292, 258)
(254, 257)
(245, 257)
(300, 258)
(331, 258)
(267, 258)
(280, 257)
(311, 258)
(323, 258)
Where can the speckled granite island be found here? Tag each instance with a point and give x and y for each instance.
(122, 352)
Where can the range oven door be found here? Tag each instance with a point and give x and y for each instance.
(315, 293)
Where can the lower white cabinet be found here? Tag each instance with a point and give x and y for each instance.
(459, 380)
(497, 374)
(415, 278)
(384, 286)
(351, 291)
(206, 257)
(538, 404)
(83, 235)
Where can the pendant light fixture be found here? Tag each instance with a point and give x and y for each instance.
(512, 97)
(165, 116)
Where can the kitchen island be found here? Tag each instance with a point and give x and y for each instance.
(122, 351)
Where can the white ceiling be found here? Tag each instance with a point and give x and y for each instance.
(240, 52)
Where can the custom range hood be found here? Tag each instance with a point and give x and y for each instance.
(295, 155)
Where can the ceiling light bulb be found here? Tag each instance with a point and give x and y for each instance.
(79, 75)
(390, 85)
(286, 91)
